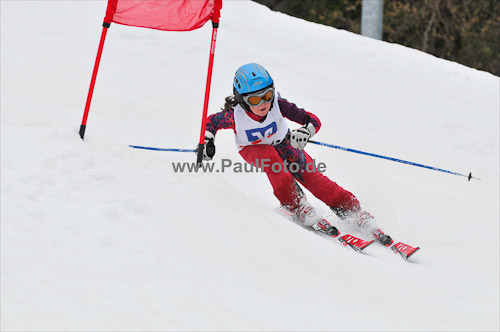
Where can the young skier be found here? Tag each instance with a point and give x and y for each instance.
(257, 115)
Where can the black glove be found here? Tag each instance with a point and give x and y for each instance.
(209, 147)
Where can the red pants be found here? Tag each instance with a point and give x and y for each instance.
(283, 183)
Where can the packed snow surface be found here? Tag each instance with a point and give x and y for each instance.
(97, 236)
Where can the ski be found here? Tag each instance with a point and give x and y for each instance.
(355, 243)
(405, 250)
(345, 240)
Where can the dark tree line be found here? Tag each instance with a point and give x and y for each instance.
(465, 31)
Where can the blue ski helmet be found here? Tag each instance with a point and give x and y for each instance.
(250, 78)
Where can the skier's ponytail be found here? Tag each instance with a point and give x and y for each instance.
(231, 102)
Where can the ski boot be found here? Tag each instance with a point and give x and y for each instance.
(357, 220)
(306, 213)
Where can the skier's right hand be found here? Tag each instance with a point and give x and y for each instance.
(209, 147)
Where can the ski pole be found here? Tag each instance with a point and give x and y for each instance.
(160, 149)
(393, 159)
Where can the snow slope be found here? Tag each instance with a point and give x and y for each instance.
(97, 236)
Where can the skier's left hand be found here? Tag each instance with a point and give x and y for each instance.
(300, 137)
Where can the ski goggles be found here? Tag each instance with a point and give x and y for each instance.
(256, 99)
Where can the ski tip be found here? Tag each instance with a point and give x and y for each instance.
(405, 251)
(411, 253)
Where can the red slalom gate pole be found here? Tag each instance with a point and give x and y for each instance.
(94, 76)
(201, 144)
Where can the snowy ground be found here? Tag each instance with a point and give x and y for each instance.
(97, 236)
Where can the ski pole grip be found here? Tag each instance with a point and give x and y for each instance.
(199, 156)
